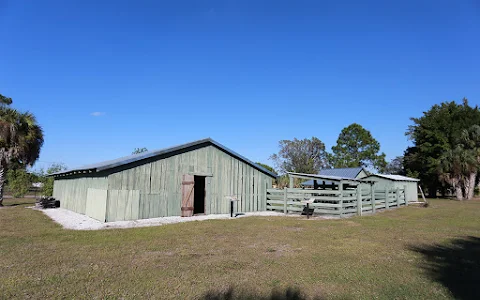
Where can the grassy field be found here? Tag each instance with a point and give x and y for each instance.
(407, 253)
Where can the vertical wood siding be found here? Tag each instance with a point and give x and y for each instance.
(412, 186)
(158, 184)
(96, 204)
(72, 193)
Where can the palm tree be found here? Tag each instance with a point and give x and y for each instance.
(471, 139)
(20, 139)
(455, 168)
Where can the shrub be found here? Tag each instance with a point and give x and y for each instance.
(18, 182)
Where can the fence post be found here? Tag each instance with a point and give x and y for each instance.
(359, 200)
(405, 195)
(340, 189)
(285, 200)
(387, 194)
(374, 204)
(397, 195)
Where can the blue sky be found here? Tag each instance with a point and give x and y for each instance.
(104, 77)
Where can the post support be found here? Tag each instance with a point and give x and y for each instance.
(359, 200)
(340, 189)
(372, 192)
(405, 195)
(397, 196)
(387, 194)
(285, 200)
(291, 183)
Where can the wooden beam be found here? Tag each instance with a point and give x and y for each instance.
(387, 194)
(372, 188)
(340, 189)
(397, 196)
(359, 200)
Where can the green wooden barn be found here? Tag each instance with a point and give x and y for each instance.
(194, 178)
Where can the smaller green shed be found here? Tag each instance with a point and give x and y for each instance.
(394, 181)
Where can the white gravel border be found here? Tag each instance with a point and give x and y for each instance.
(72, 220)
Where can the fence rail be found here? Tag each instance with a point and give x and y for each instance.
(335, 202)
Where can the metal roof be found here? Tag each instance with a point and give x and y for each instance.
(346, 173)
(395, 177)
(322, 177)
(342, 172)
(101, 166)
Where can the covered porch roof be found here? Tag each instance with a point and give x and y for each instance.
(317, 177)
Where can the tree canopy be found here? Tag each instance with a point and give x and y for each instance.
(47, 189)
(356, 147)
(21, 139)
(441, 154)
(265, 166)
(302, 156)
(395, 166)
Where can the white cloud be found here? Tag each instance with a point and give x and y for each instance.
(97, 114)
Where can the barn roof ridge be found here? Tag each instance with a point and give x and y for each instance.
(110, 164)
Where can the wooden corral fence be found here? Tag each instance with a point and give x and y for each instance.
(359, 200)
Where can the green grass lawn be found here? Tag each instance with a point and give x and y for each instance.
(406, 253)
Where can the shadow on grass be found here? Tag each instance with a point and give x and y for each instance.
(276, 294)
(456, 266)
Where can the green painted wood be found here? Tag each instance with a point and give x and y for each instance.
(397, 196)
(310, 191)
(247, 189)
(134, 199)
(241, 190)
(295, 209)
(72, 193)
(340, 189)
(112, 205)
(276, 202)
(123, 205)
(96, 206)
(252, 190)
(372, 187)
(405, 195)
(359, 200)
(158, 183)
(387, 196)
(122, 198)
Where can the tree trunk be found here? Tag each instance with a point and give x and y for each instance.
(458, 192)
(470, 185)
(2, 183)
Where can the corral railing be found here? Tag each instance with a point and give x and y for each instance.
(335, 202)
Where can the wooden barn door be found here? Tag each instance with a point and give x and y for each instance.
(188, 185)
